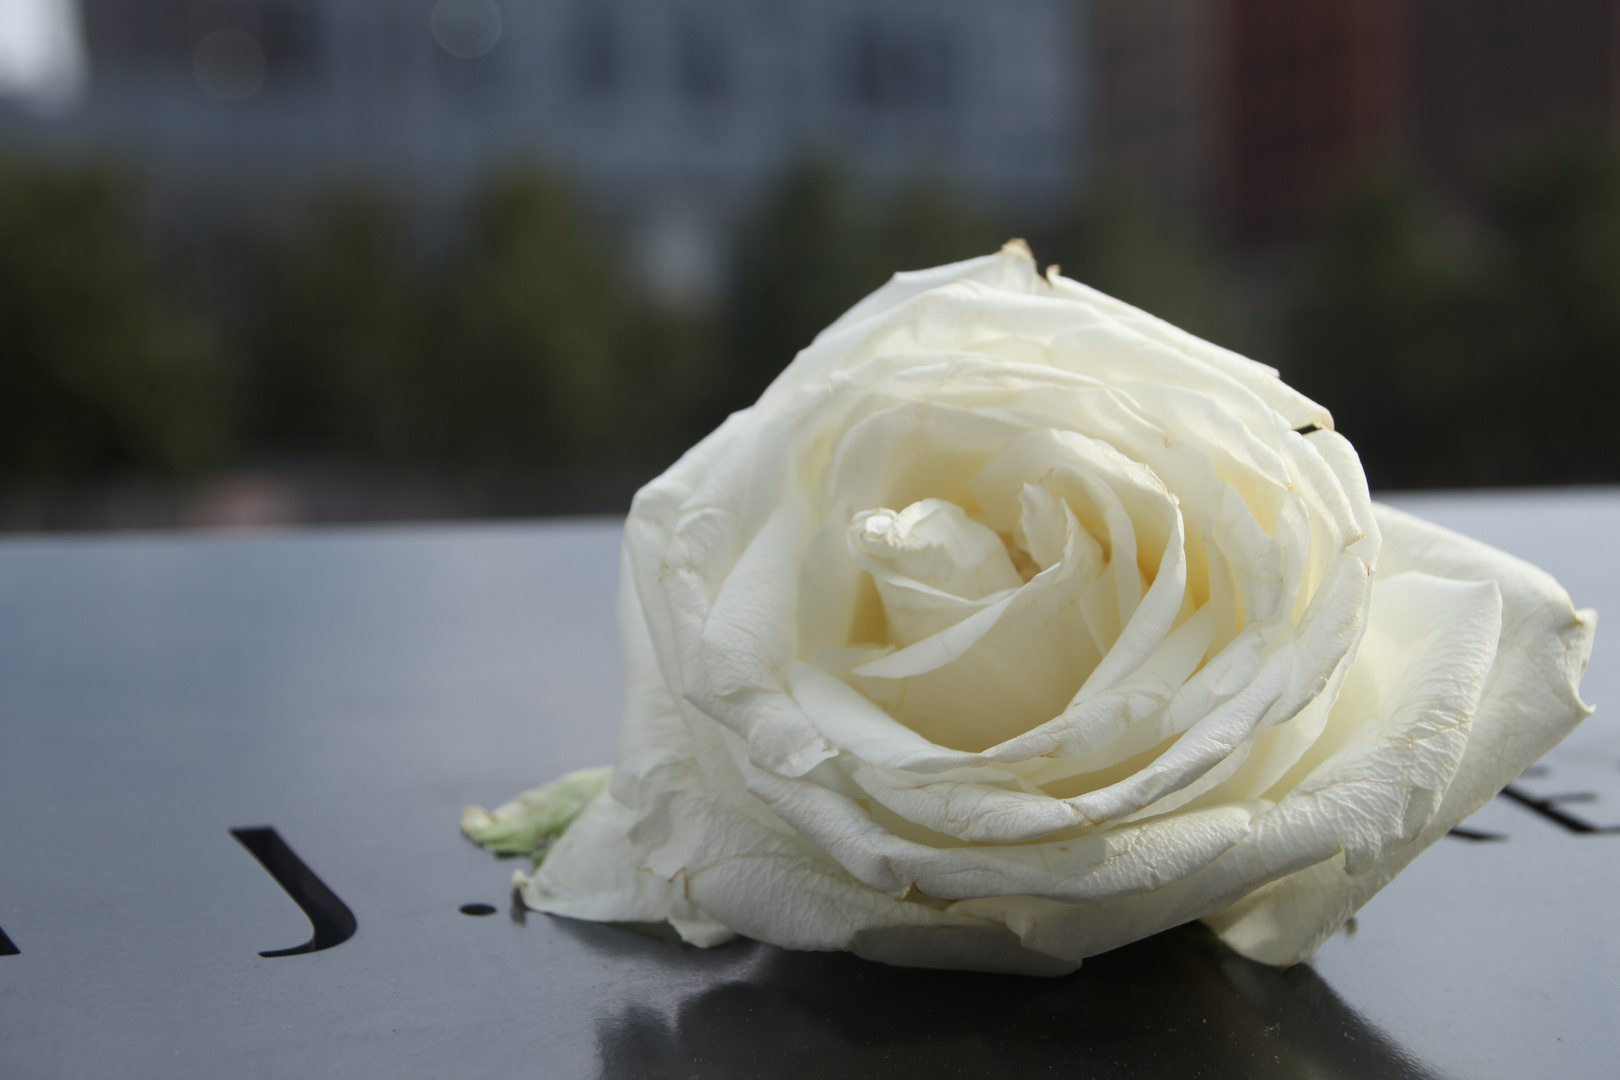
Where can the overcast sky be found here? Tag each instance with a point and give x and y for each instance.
(41, 55)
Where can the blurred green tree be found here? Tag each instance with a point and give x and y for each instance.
(1119, 245)
(673, 363)
(499, 354)
(1549, 317)
(343, 360)
(816, 249)
(807, 258)
(101, 369)
(531, 368)
(1380, 333)
(926, 224)
(1465, 349)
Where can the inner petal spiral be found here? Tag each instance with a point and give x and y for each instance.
(935, 543)
(933, 566)
(995, 627)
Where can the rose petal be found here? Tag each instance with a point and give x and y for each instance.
(1529, 702)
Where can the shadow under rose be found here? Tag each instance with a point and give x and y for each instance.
(1176, 1005)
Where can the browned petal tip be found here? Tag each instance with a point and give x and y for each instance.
(1018, 246)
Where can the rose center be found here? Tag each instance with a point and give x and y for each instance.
(934, 543)
(932, 564)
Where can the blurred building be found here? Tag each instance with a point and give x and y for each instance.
(1314, 92)
(1157, 101)
(1488, 76)
(1249, 115)
(674, 115)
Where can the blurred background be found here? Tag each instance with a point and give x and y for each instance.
(277, 261)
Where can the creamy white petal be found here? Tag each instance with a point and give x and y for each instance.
(1390, 752)
(1013, 624)
(1089, 868)
(1528, 703)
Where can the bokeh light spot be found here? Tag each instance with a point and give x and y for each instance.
(466, 28)
(229, 64)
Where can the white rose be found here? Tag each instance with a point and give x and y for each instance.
(1012, 625)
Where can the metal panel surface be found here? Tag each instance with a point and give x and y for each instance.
(351, 689)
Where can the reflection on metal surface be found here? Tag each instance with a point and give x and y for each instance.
(477, 909)
(1175, 1005)
(6, 946)
(1548, 808)
(330, 917)
(519, 910)
(338, 676)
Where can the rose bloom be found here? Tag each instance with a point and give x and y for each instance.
(1012, 625)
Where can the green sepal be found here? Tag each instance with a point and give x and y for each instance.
(530, 823)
